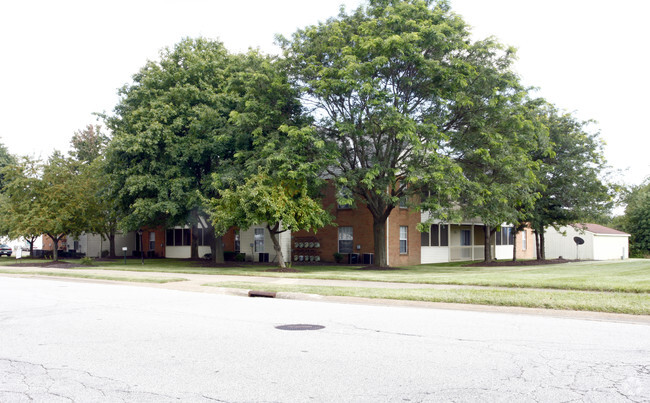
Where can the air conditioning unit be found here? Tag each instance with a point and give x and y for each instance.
(368, 258)
(353, 258)
(264, 257)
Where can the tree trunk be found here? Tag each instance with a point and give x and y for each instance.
(194, 242)
(31, 247)
(537, 254)
(541, 244)
(276, 243)
(514, 244)
(379, 236)
(111, 245)
(487, 248)
(55, 250)
(217, 250)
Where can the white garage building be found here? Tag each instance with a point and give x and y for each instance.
(600, 243)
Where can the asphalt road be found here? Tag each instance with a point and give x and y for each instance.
(78, 341)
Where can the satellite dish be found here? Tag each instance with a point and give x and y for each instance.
(578, 240)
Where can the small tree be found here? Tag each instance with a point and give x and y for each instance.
(284, 191)
(51, 199)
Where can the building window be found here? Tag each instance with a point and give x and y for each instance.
(403, 239)
(176, 237)
(444, 235)
(505, 236)
(435, 236)
(465, 237)
(345, 240)
(424, 238)
(152, 241)
(343, 193)
(237, 242)
(259, 240)
(523, 240)
(402, 202)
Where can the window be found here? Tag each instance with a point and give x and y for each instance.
(434, 235)
(505, 236)
(424, 238)
(345, 240)
(259, 239)
(344, 193)
(465, 237)
(403, 239)
(237, 242)
(444, 235)
(178, 237)
(523, 240)
(402, 202)
(152, 241)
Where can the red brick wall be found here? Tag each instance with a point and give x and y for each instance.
(403, 217)
(360, 219)
(159, 232)
(49, 245)
(529, 253)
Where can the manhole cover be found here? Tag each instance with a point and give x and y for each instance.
(300, 327)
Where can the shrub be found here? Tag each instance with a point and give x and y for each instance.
(240, 257)
(338, 258)
(86, 261)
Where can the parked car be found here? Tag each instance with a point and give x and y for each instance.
(5, 250)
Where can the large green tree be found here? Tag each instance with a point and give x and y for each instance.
(391, 83)
(571, 185)
(182, 120)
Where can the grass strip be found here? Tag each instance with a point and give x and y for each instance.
(629, 303)
(96, 276)
(616, 276)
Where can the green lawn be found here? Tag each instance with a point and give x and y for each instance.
(615, 302)
(627, 276)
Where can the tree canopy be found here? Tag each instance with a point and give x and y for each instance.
(571, 186)
(392, 84)
(183, 119)
(636, 220)
(51, 198)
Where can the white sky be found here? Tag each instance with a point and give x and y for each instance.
(63, 60)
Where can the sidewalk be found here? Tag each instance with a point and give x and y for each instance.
(195, 283)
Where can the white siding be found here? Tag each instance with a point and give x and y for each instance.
(503, 252)
(248, 237)
(556, 244)
(434, 254)
(608, 247)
